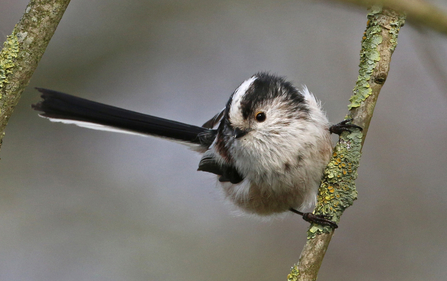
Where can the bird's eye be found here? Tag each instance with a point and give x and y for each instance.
(260, 116)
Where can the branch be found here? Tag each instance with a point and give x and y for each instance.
(337, 190)
(23, 50)
(418, 11)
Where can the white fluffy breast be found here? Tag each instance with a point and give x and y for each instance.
(282, 158)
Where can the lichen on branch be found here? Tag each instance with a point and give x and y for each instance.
(23, 50)
(7, 56)
(337, 190)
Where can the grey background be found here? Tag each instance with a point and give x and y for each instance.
(77, 204)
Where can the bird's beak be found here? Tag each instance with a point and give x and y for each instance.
(238, 133)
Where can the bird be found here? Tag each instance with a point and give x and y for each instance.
(268, 146)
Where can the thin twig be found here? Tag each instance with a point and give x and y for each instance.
(418, 11)
(337, 191)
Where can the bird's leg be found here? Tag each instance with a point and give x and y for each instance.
(318, 219)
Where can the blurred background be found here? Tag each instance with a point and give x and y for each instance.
(78, 204)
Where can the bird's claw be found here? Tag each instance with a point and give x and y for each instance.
(343, 126)
(320, 219)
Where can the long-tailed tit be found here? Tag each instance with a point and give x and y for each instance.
(268, 146)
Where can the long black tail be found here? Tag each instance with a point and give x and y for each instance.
(70, 109)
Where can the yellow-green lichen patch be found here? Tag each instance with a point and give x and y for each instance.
(7, 57)
(294, 273)
(337, 190)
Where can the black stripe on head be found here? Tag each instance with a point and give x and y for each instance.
(268, 87)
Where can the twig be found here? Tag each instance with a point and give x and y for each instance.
(337, 190)
(22, 51)
(418, 11)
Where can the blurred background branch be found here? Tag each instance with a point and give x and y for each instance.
(418, 12)
(23, 50)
